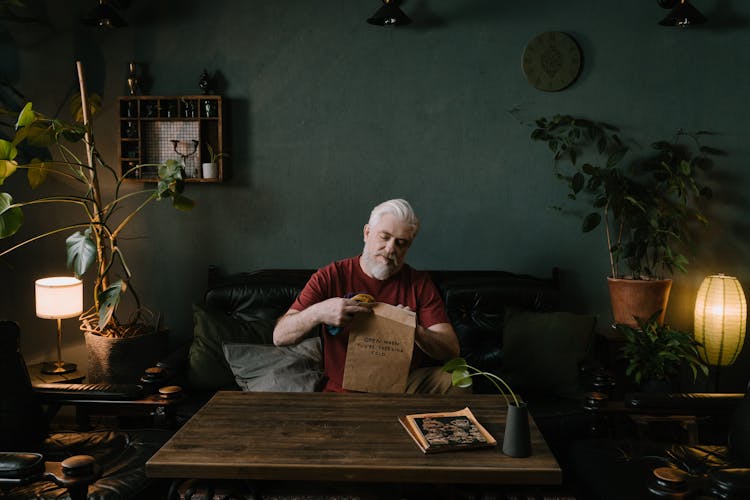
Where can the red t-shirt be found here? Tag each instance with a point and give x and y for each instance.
(345, 278)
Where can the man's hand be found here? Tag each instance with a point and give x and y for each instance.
(438, 342)
(294, 325)
(340, 312)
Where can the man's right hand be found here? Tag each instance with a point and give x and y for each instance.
(338, 312)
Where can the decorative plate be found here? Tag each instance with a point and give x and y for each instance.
(552, 61)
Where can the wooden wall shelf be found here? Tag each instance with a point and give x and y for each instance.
(150, 125)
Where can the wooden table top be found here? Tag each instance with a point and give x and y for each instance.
(340, 437)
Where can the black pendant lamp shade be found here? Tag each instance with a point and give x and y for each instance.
(389, 15)
(104, 16)
(683, 15)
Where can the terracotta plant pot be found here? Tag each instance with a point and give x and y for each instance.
(638, 298)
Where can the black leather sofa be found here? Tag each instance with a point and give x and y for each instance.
(482, 306)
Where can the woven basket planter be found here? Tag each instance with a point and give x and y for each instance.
(122, 360)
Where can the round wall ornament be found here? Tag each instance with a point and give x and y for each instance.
(551, 61)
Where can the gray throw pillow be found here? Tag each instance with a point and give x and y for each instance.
(207, 366)
(267, 368)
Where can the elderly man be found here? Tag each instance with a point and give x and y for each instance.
(379, 271)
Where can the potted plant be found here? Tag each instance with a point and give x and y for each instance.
(517, 437)
(211, 168)
(648, 208)
(104, 214)
(656, 353)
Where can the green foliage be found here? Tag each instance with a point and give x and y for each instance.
(657, 352)
(213, 155)
(648, 208)
(104, 215)
(461, 374)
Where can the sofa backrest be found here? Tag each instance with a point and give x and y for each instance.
(477, 301)
(500, 319)
(257, 295)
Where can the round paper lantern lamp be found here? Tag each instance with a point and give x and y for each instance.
(720, 319)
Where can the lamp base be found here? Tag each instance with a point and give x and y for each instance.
(57, 367)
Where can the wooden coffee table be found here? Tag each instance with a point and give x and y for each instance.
(341, 438)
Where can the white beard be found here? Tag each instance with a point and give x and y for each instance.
(379, 270)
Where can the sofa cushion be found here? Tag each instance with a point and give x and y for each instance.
(542, 350)
(207, 366)
(296, 368)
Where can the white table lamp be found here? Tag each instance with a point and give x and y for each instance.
(58, 298)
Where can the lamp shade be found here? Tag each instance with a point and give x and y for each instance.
(720, 318)
(59, 297)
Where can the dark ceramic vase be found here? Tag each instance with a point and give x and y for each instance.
(517, 437)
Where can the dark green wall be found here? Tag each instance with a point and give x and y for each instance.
(329, 115)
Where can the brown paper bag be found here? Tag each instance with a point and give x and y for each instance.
(379, 352)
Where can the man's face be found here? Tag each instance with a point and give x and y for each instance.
(386, 244)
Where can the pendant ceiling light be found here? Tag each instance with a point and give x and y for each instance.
(389, 15)
(683, 14)
(104, 16)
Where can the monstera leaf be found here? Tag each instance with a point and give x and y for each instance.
(81, 251)
(109, 299)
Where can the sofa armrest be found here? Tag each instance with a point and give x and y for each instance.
(74, 473)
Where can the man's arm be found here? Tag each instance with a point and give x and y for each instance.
(294, 325)
(438, 342)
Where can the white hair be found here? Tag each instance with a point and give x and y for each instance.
(398, 208)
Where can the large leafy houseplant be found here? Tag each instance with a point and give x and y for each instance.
(657, 352)
(104, 213)
(647, 207)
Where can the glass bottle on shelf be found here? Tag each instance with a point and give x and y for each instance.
(131, 130)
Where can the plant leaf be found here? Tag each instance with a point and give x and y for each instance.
(577, 182)
(26, 116)
(11, 219)
(182, 203)
(461, 378)
(37, 174)
(591, 221)
(109, 300)
(81, 251)
(616, 156)
(7, 150)
(8, 153)
(454, 364)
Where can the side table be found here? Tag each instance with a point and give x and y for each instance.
(159, 408)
